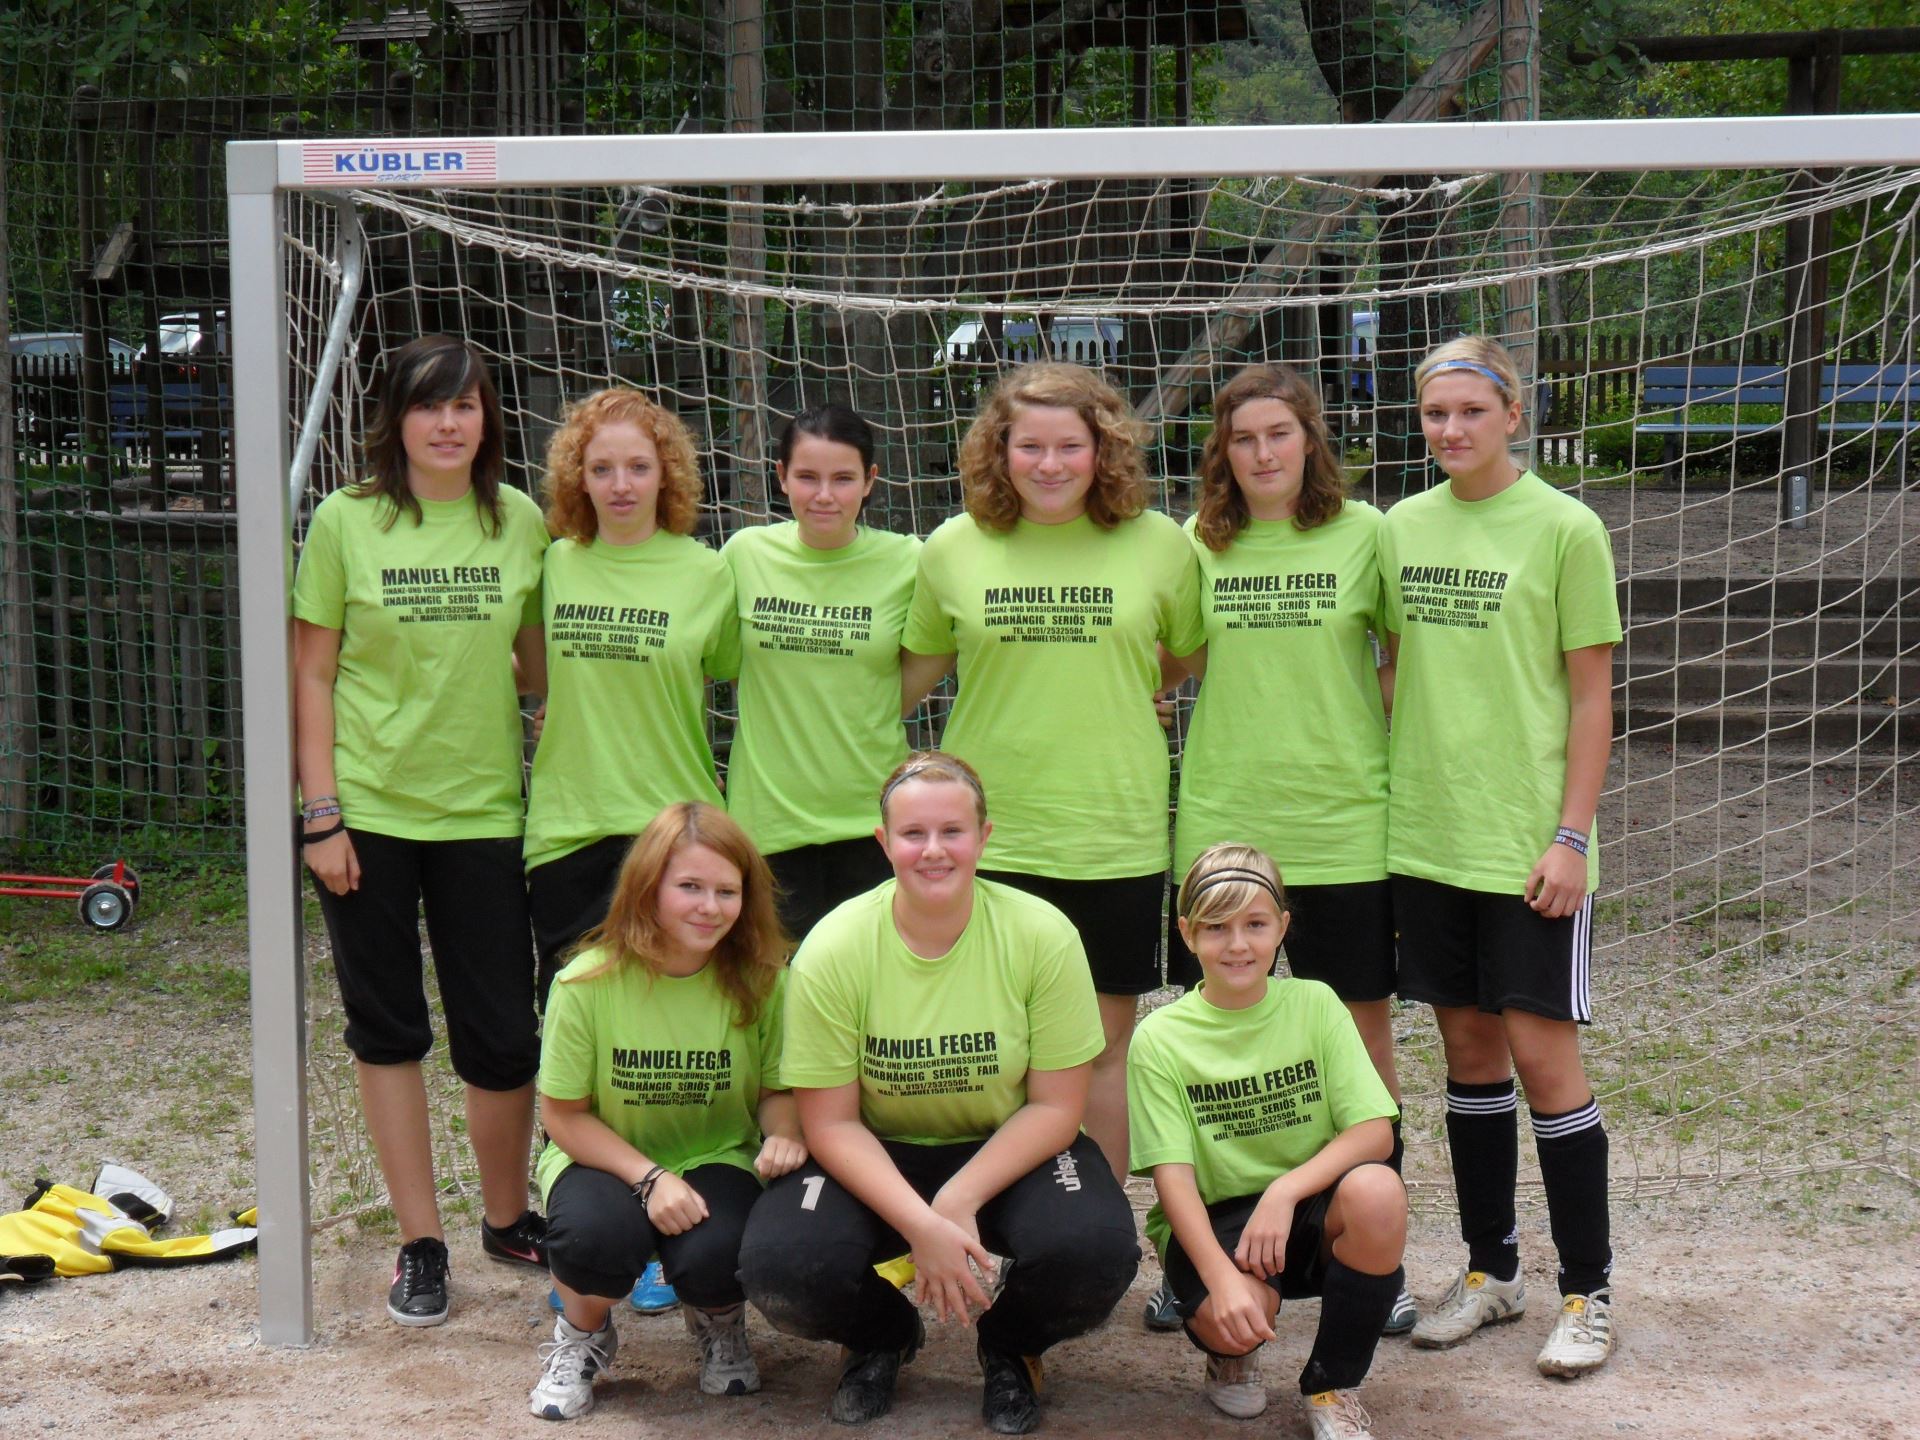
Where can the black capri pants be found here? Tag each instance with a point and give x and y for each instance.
(599, 1238)
(476, 906)
(808, 1256)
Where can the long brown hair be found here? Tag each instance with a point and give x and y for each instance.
(1222, 511)
(749, 957)
(431, 371)
(1119, 490)
(570, 512)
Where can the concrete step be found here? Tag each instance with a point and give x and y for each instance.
(1782, 681)
(1829, 636)
(1872, 727)
(1768, 595)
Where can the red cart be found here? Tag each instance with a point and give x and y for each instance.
(107, 897)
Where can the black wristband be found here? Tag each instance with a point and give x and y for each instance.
(643, 1187)
(313, 837)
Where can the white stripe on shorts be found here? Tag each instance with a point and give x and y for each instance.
(1580, 1002)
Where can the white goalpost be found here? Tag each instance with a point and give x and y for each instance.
(1720, 328)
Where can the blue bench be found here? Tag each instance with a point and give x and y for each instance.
(1891, 390)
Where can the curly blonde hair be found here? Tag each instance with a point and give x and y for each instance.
(1222, 511)
(1119, 490)
(570, 513)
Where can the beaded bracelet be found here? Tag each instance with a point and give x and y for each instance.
(314, 808)
(1573, 839)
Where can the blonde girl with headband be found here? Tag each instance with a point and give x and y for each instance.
(1051, 591)
(661, 1092)
(1264, 1125)
(1288, 744)
(940, 1030)
(1502, 617)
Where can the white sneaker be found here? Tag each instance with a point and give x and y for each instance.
(1476, 1299)
(726, 1360)
(1234, 1385)
(1582, 1337)
(573, 1357)
(1338, 1415)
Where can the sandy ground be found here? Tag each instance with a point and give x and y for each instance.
(1731, 1326)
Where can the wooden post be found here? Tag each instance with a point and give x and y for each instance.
(93, 320)
(19, 684)
(747, 259)
(1813, 88)
(1520, 297)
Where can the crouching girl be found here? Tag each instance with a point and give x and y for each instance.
(660, 1091)
(942, 1032)
(1266, 1128)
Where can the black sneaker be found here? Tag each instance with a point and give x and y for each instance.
(522, 1243)
(418, 1295)
(1010, 1400)
(865, 1391)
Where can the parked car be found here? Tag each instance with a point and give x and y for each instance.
(184, 334)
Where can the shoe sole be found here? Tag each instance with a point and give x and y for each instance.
(559, 1412)
(1247, 1409)
(1423, 1343)
(1569, 1369)
(509, 1258)
(733, 1388)
(666, 1309)
(417, 1322)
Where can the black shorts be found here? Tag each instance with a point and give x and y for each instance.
(1339, 934)
(812, 879)
(1118, 920)
(1307, 1252)
(1494, 952)
(475, 897)
(599, 1238)
(568, 897)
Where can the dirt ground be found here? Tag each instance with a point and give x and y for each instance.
(1733, 1324)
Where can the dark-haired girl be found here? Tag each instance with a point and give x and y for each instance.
(417, 590)
(822, 600)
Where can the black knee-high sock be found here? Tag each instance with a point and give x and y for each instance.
(1353, 1308)
(1573, 1165)
(1399, 1155)
(1484, 1141)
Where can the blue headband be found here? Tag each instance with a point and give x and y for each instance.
(1475, 366)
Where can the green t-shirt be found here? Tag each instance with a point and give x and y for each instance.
(819, 684)
(1487, 597)
(426, 718)
(1245, 1096)
(631, 632)
(941, 1048)
(663, 1062)
(1054, 626)
(1288, 746)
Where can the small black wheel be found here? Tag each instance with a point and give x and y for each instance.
(105, 906)
(129, 881)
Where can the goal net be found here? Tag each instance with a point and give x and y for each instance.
(1721, 362)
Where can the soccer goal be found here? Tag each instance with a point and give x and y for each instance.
(1716, 320)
